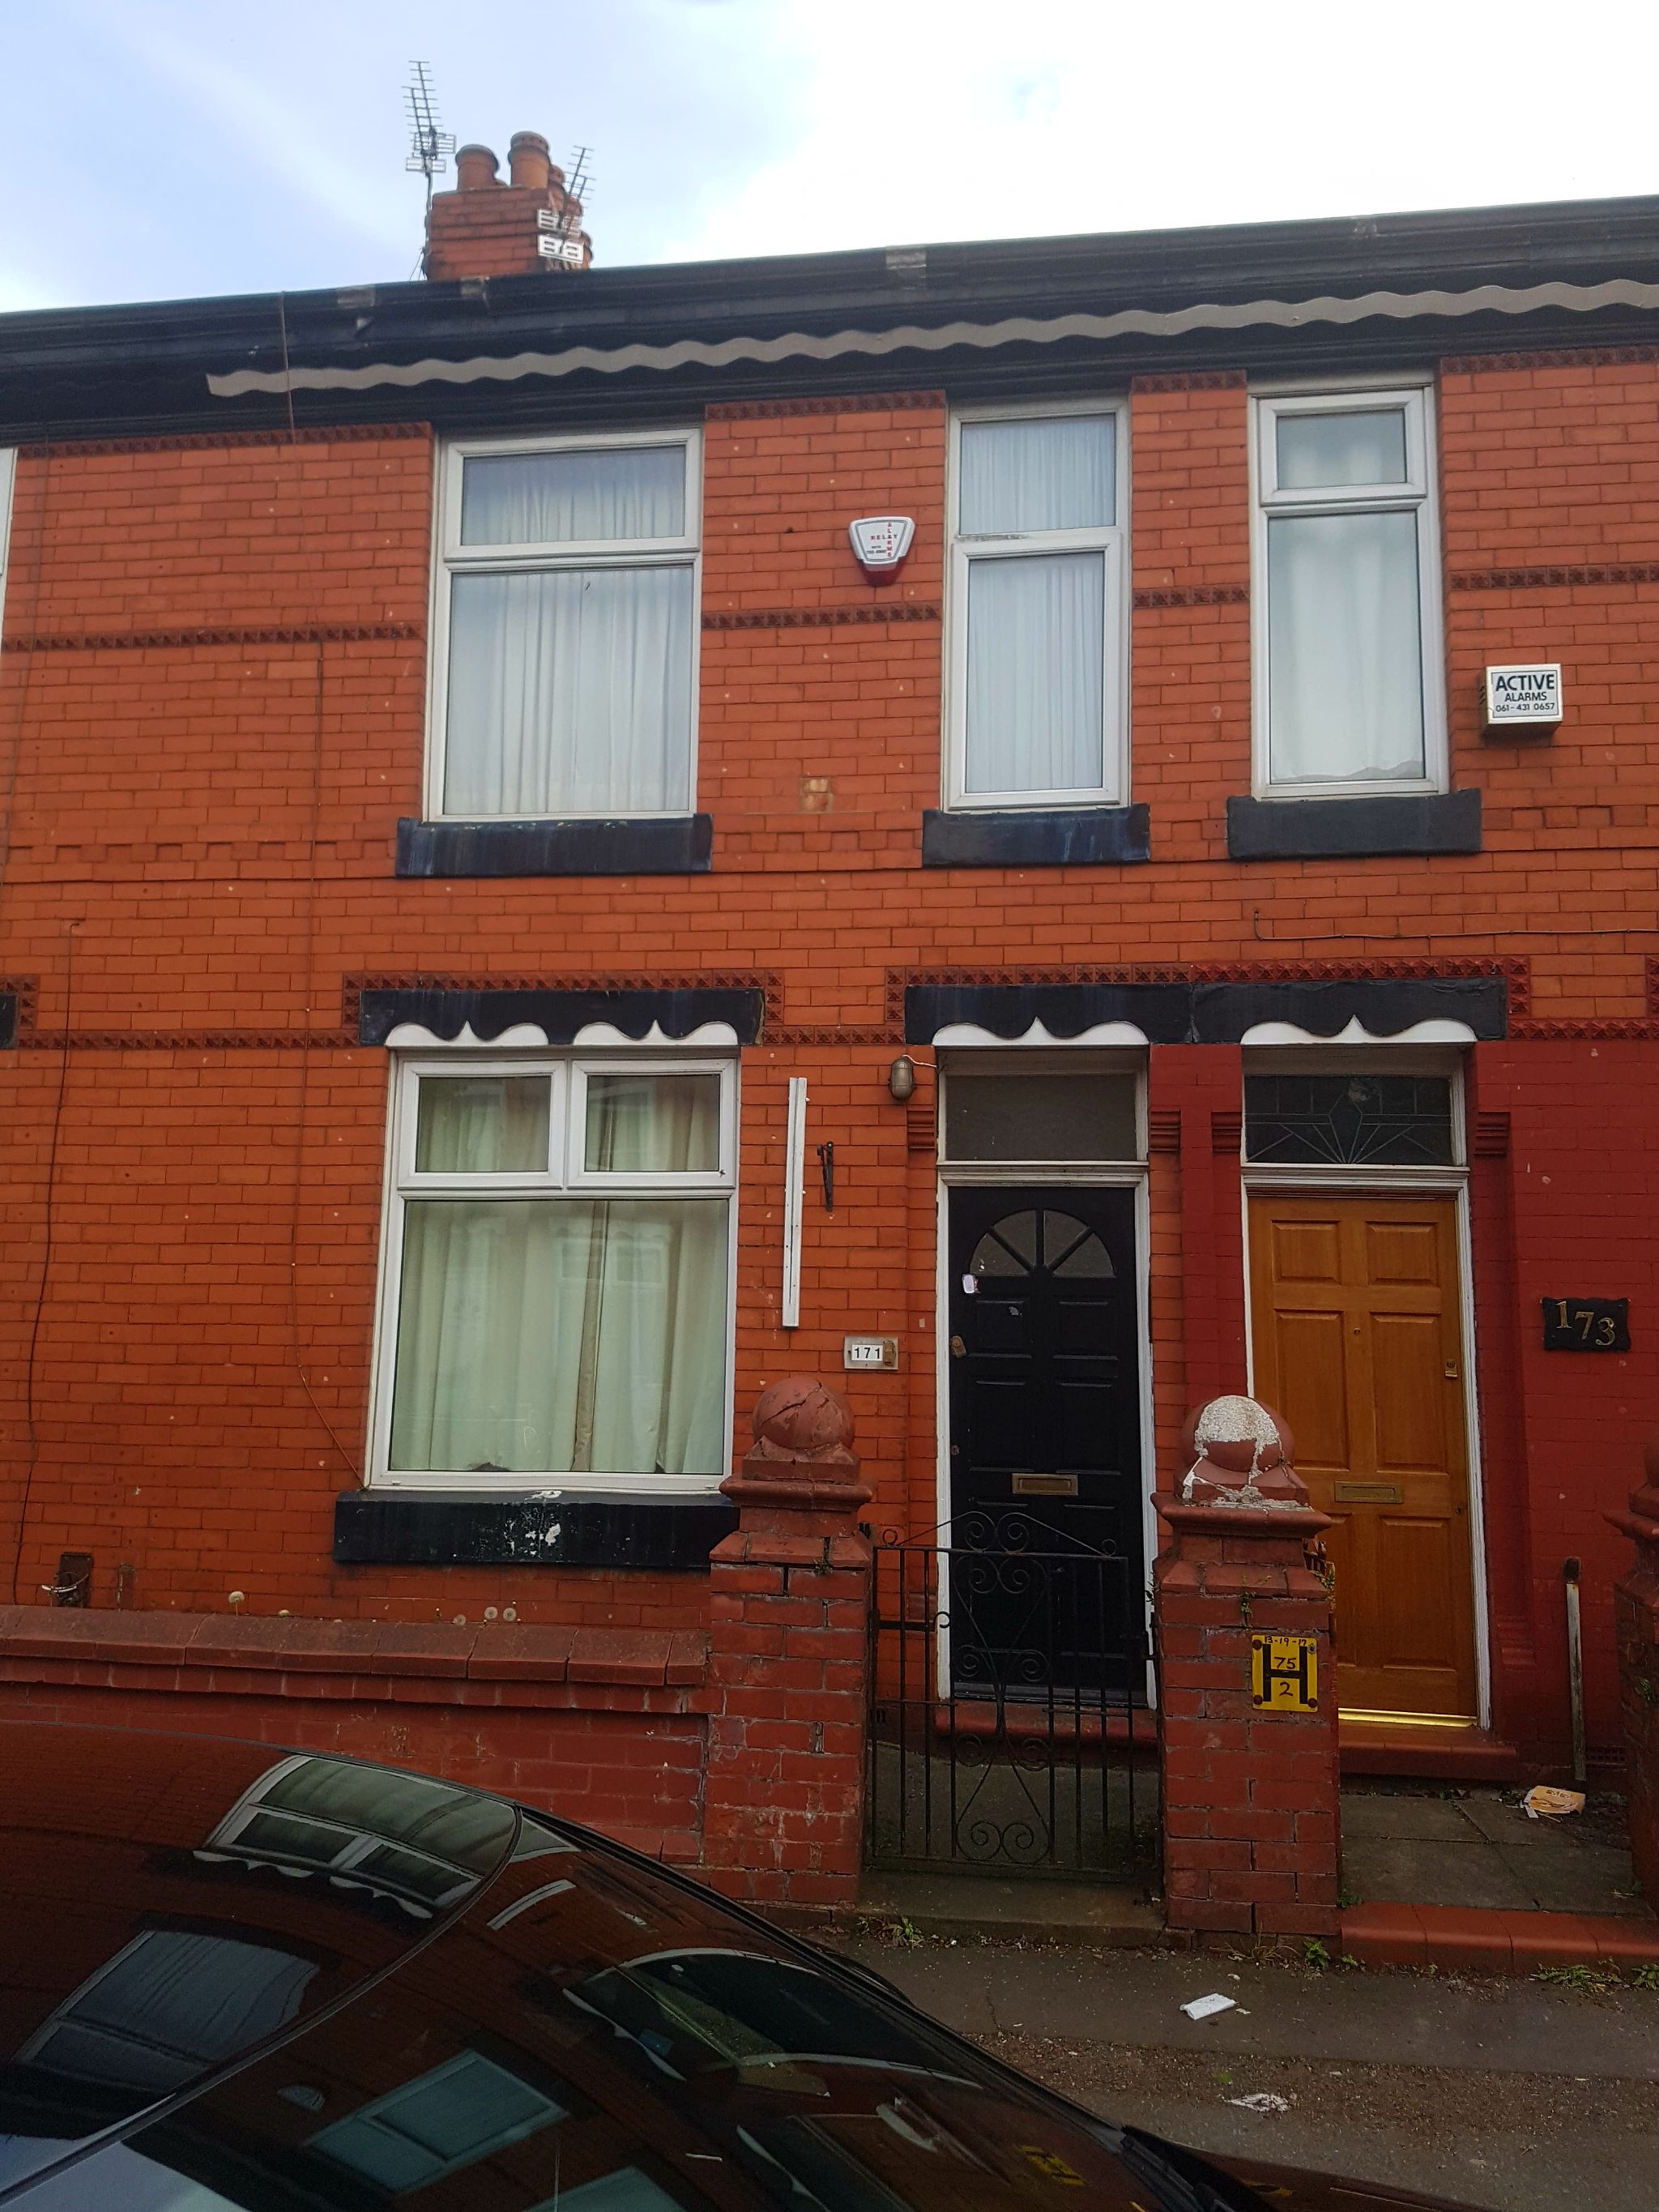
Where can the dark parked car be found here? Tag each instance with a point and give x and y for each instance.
(234, 1977)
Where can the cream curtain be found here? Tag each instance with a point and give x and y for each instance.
(574, 498)
(570, 1334)
(1345, 648)
(569, 692)
(1035, 673)
(1050, 473)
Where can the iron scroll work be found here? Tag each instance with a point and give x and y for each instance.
(1009, 1731)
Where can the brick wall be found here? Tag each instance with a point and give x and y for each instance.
(223, 722)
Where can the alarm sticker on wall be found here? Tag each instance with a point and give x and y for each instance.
(881, 541)
(1528, 693)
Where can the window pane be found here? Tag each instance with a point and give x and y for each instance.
(653, 1124)
(1345, 651)
(562, 1336)
(1349, 1121)
(1051, 473)
(542, 499)
(1040, 1117)
(569, 692)
(481, 1125)
(1036, 673)
(1345, 448)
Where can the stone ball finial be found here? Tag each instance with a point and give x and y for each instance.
(802, 1419)
(1241, 1452)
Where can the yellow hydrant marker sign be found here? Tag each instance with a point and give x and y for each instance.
(1284, 1673)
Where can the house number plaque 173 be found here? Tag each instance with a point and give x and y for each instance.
(1586, 1324)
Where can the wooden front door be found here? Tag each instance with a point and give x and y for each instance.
(1358, 1340)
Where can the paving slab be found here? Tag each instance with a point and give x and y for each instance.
(1574, 1878)
(1380, 1869)
(1414, 1819)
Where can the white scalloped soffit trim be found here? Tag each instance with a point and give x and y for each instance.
(531, 1035)
(1438, 1030)
(962, 1033)
(914, 338)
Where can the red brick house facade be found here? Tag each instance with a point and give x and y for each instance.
(458, 778)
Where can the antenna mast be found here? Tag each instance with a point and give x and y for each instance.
(430, 145)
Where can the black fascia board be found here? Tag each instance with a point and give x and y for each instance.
(111, 371)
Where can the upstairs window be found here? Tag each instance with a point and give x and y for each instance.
(1037, 651)
(565, 655)
(1347, 684)
(8, 464)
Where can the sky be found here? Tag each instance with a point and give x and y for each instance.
(169, 148)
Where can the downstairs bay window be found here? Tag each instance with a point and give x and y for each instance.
(555, 1292)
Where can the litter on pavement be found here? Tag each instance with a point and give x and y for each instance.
(1201, 2008)
(1545, 1804)
(1261, 2101)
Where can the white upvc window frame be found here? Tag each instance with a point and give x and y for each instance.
(1419, 496)
(1113, 543)
(565, 1178)
(450, 558)
(8, 477)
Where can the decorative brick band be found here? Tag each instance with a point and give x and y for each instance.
(1191, 595)
(915, 610)
(1609, 1031)
(326, 434)
(1568, 576)
(851, 402)
(137, 640)
(1484, 364)
(1197, 379)
(187, 1040)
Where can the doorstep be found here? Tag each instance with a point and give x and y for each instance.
(1430, 1752)
(1458, 1938)
(1097, 1916)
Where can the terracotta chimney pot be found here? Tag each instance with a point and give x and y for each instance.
(528, 161)
(476, 168)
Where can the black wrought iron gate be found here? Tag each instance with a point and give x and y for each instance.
(1008, 1724)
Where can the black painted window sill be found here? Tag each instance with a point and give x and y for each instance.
(1353, 828)
(677, 845)
(1016, 838)
(458, 1528)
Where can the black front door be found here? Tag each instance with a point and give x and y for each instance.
(1045, 1438)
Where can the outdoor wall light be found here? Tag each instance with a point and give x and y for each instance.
(902, 1078)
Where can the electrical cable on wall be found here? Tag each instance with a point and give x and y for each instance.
(31, 1426)
(309, 939)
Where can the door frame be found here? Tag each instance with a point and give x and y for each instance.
(1451, 1183)
(1130, 1176)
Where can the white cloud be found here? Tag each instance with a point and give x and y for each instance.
(962, 119)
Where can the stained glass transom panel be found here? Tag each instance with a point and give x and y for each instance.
(1359, 1120)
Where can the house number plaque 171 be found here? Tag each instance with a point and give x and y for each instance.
(1586, 1324)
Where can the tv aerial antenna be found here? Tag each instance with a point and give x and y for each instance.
(430, 145)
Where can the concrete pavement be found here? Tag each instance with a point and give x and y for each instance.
(1513, 2094)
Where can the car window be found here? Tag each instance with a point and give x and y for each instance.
(592, 2038)
(190, 1900)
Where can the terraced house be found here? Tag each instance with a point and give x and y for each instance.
(1038, 831)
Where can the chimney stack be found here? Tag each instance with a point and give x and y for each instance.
(529, 225)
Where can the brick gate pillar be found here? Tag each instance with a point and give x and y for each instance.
(1247, 1761)
(783, 1805)
(1636, 1625)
